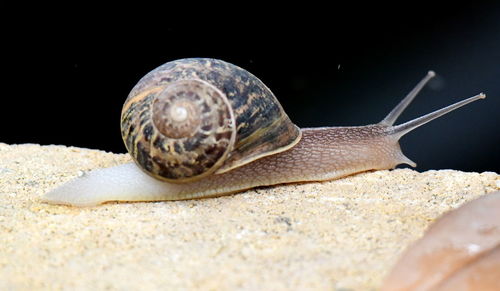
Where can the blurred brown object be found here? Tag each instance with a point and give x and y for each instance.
(460, 251)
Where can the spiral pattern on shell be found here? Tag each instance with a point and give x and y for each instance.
(193, 117)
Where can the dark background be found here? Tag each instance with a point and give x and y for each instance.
(69, 69)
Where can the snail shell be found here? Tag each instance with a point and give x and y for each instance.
(193, 117)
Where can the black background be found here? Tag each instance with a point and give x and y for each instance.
(69, 69)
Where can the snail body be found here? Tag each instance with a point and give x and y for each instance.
(183, 148)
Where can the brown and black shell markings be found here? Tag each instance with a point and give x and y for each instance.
(238, 120)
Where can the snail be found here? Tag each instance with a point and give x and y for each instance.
(201, 127)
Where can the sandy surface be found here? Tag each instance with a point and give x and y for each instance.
(337, 235)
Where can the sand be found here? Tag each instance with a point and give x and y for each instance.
(338, 235)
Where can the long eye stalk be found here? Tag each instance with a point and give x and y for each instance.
(402, 129)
